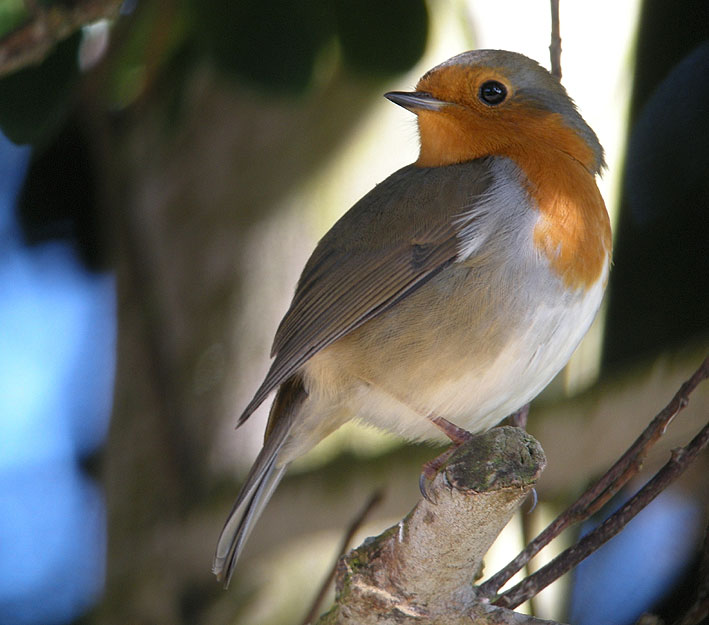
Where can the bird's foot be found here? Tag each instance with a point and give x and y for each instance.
(458, 436)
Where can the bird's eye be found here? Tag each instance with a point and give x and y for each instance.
(492, 92)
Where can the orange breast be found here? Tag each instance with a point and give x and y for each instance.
(574, 230)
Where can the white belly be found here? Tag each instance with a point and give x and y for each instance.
(475, 393)
(486, 392)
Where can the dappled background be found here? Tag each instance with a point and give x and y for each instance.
(167, 166)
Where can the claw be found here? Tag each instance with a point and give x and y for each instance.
(425, 482)
(535, 499)
(430, 470)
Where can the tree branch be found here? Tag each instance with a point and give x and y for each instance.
(568, 559)
(617, 476)
(422, 569)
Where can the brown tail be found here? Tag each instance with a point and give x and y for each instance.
(264, 476)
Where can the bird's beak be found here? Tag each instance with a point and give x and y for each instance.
(415, 100)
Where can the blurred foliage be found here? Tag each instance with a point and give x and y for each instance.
(275, 43)
(59, 197)
(388, 44)
(35, 101)
(13, 13)
(658, 294)
(150, 42)
(272, 43)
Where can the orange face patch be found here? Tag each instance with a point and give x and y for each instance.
(464, 130)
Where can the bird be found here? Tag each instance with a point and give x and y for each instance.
(453, 292)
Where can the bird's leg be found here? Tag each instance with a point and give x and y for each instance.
(429, 470)
(457, 435)
(519, 419)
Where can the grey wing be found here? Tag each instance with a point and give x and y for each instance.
(396, 238)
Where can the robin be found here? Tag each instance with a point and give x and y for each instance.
(453, 292)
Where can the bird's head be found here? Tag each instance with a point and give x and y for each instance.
(493, 102)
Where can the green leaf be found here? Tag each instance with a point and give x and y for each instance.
(12, 14)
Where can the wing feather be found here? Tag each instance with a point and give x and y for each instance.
(392, 241)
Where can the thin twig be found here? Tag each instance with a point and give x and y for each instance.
(555, 45)
(373, 501)
(568, 559)
(595, 497)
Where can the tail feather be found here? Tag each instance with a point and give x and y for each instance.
(260, 483)
(243, 516)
